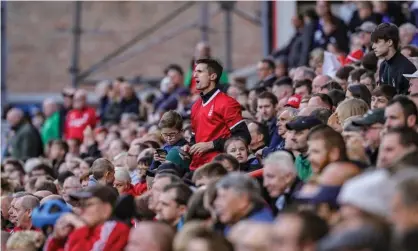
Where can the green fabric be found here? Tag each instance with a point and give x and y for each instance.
(174, 157)
(303, 167)
(26, 143)
(51, 128)
(188, 79)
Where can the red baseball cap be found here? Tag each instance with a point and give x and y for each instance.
(294, 101)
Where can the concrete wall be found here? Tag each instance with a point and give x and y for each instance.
(39, 40)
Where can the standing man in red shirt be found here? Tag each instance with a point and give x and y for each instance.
(215, 117)
(80, 117)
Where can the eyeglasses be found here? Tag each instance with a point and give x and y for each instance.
(170, 135)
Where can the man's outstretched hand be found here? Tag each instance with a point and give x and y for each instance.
(201, 147)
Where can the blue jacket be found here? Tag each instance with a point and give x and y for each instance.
(92, 181)
(156, 164)
(275, 138)
(259, 214)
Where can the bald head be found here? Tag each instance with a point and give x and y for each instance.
(337, 173)
(49, 107)
(318, 82)
(151, 236)
(43, 193)
(14, 116)
(28, 202)
(253, 234)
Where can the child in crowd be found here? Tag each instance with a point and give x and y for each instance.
(238, 148)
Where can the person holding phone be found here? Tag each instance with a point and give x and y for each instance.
(171, 126)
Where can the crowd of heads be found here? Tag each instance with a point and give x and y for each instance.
(325, 159)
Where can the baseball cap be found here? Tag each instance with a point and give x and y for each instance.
(321, 194)
(167, 168)
(371, 117)
(294, 101)
(302, 123)
(367, 27)
(413, 75)
(106, 194)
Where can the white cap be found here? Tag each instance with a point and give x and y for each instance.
(413, 75)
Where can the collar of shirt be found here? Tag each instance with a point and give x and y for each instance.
(269, 77)
(393, 58)
(207, 96)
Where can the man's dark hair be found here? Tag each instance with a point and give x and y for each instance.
(344, 72)
(356, 74)
(213, 67)
(183, 192)
(61, 143)
(269, 62)
(331, 138)
(196, 209)
(174, 67)
(270, 96)
(17, 164)
(258, 90)
(370, 75)
(284, 81)
(322, 114)
(408, 106)
(63, 176)
(173, 178)
(361, 91)
(332, 85)
(413, 49)
(209, 170)
(314, 227)
(386, 31)
(263, 130)
(337, 96)
(224, 156)
(324, 98)
(369, 61)
(407, 136)
(46, 185)
(386, 91)
(47, 169)
(305, 82)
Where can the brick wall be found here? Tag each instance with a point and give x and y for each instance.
(39, 40)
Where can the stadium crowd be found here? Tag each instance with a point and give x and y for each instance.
(321, 154)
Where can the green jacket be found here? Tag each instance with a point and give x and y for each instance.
(26, 143)
(303, 167)
(51, 128)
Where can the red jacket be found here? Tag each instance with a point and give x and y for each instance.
(109, 236)
(140, 188)
(78, 120)
(130, 190)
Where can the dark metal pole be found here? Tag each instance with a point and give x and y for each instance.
(74, 68)
(3, 55)
(228, 6)
(265, 28)
(204, 26)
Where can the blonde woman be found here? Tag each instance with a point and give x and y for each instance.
(347, 108)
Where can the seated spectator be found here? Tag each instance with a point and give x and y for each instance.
(123, 182)
(259, 136)
(395, 144)
(208, 173)
(21, 212)
(47, 185)
(58, 150)
(85, 231)
(71, 185)
(320, 100)
(204, 239)
(355, 75)
(265, 72)
(229, 162)
(401, 112)
(342, 75)
(359, 91)
(329, 86)
(280, 179)
(305, 228)
(239, 197)
(196, 210)
(348, 108)
(251, 236)
(116, 147)
(41, 170)
(337, 96)
(266, 112)
(238, 148)
(150, 236)
(42, 194)
(319, 82)
(103, 172)
(160, 181)
(381, 96)
(303, 87)
(407, 35)
(172, 204)
(409, 51)
(368, 80)
(282, 89)
(25, 240)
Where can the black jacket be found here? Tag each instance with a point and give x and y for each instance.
(291, 51)
(288, 196)
(26, 143)
(392, 70)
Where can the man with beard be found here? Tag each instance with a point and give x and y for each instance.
(296, 141)
(385, 39)
(173, 204)
(325, 146)
(266, 112)
(401, 112)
